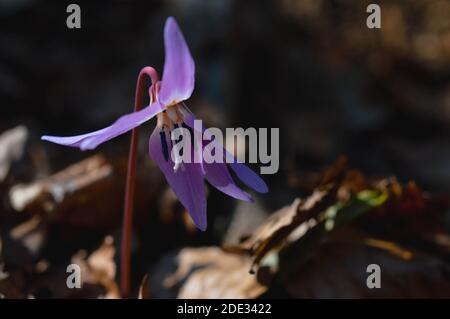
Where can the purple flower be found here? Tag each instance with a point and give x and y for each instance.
(167, 104)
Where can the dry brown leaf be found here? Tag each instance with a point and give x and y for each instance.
(338, 270)
(409, 212)
(98, 271)
(30, 234)
(214, 273)
(337, 184)
(274, 234)
(389, 246)
(45, 194)
(289, 223)
(93, 185)
(102, 266)
(12, 144)
(333, 173)
(12, 286)
(144, 291)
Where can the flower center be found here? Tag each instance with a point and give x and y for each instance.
(171, 117)
(167, 121)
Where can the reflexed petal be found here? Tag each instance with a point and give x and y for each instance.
(245, 174)
(122, 125)
(187, 182)
(179, 68)
(248, 177)
(217, 175)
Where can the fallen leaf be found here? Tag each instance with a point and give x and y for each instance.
(338, 270)
(12, 144)
(213, 273)
(144, 291)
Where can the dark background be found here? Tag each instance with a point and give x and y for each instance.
(311, 68)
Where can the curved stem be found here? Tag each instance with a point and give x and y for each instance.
(125, 263)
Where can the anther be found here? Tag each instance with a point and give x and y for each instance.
(164, 148)
(191, 132)
(179, 140)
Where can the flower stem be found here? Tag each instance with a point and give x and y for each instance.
(130, 184)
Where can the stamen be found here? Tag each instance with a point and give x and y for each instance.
(178, 155)
(179, 140)
(191, 132)
(163, 120)
(171, 112)
(164, 148)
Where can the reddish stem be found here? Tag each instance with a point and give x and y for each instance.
(130, 184)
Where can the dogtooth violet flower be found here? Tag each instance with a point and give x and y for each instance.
(167, 104)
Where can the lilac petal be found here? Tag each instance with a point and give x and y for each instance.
(248, 177)
(122, 125)
(245, 174)
(187, 182)
(179, 68)
(217, 175)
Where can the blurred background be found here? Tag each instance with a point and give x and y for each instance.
(312, 68)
